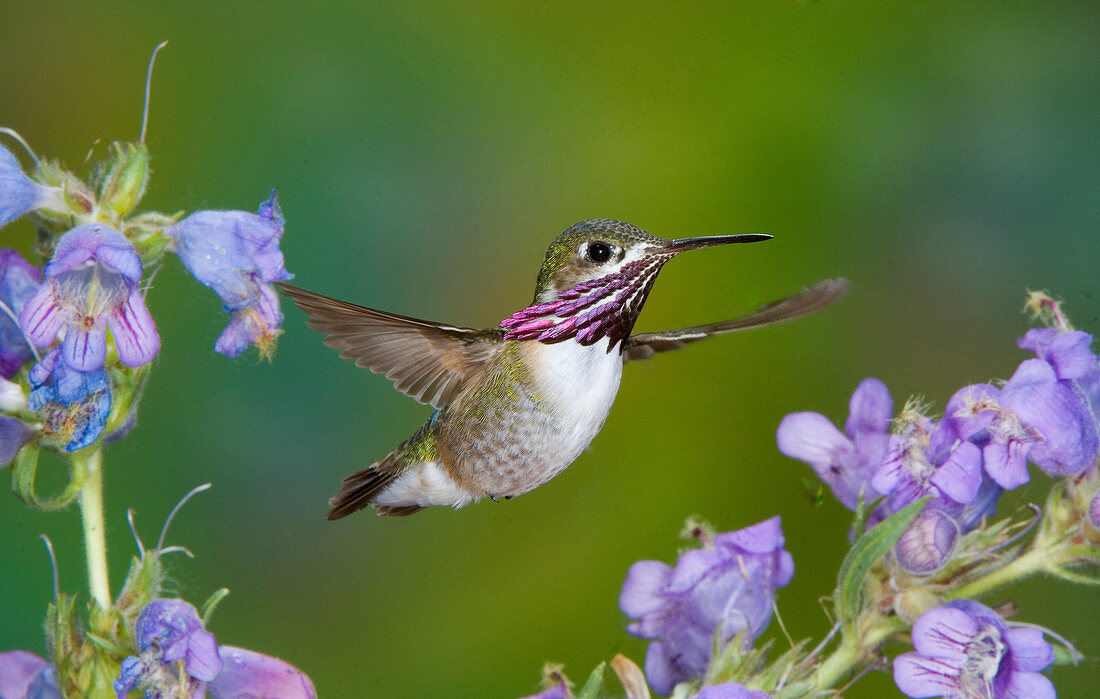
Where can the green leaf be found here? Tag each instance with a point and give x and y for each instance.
(592, 687)
(866, 551)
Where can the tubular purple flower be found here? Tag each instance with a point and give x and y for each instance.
(18, 283)
(92, 280)
(976, 414)
(170, 638)
(73, 404)
(19, 193)
(721, 590)
(964, 650)
(237, 254)
(928, 458)
(1069, 354)
(1059, 416)
(845, 462)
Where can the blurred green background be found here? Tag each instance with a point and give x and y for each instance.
(943, 158)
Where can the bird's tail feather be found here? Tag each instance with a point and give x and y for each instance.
(361, 487)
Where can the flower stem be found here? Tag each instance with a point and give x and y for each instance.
(856, 649)
(1031, 562)
(90, 469)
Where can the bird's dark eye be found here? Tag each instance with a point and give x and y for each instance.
(599, 252)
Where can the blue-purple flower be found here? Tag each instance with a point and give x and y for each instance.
(719, 591)
(731, 690)
(1068, 353)
(965, 650)
(846, 461)
(92, 282)
(72, 404)
(18, 283)
(1035, 417)
(174, 649)
(19, 193)
(24, 675)
(237, 254)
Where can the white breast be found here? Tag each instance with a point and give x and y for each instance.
(580, 384)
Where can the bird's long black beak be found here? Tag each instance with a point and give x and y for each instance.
(681, 244)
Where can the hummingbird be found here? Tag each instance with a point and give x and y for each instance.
(516, 404)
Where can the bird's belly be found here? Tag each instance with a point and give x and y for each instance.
(555, 414)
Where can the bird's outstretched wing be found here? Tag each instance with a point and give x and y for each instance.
(426, 361)
(810, 299)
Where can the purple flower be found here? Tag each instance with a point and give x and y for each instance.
(964, 650)
(1035, 417)
(928, 542)
(725, 588)
(247, 675)
(845, 463)
(237, 254)
(18, 283)
(19, 193)
(169, 631)
(731, 690)
(1069, 355)
(928, 459)
(73, 404)
(171, 638)
(24, 675)
(556, 692)
(92, 280)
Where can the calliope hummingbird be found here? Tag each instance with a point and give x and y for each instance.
(518, 403)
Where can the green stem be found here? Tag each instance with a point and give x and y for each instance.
(90, 468)
(1031, 562)
(856, 648)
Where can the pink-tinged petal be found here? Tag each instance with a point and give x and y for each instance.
(17, 670)
(870, 410)
(943, 632)
(1029, 685)
(961, 475)
(249, 675)
(134, 331)
(1030, 651)
(919, 677)
(84, 350)
(1006, 464)
(812, 438)
(41, 317)
(641, 593)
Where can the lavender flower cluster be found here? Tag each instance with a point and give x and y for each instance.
(932, 486)
(93, 282)
(77, 343)
(1046, 414)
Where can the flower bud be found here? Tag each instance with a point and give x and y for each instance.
(126, 177)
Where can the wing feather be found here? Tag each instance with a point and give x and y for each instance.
(427, 361)
(810, 299)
